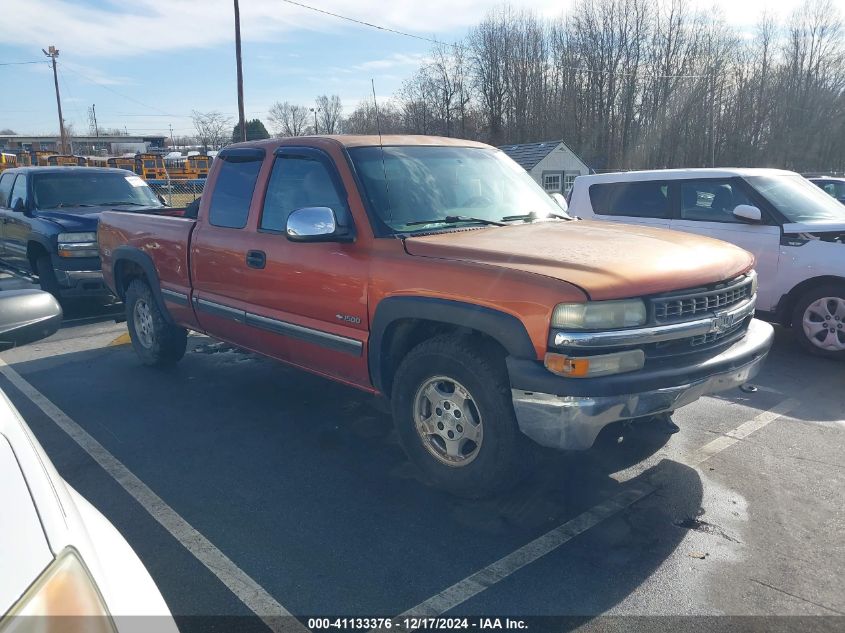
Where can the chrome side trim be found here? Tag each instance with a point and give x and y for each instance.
(179, 298)
(719, 321)
(307, 334)
(220, 310)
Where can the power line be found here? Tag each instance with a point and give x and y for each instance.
(22, 63)
(462, 47)
(367, 24)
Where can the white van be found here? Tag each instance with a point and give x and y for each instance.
(794, 229)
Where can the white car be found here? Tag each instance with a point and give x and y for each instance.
(58, 555)
(794, 229)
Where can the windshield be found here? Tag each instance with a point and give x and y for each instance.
(435, 182)
(90, 188)
(798, 199)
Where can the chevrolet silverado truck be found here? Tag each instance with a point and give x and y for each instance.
(436, 273)
(48, 222)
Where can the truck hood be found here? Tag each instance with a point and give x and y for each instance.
(605, 259)
(71, 221)
(82, 218)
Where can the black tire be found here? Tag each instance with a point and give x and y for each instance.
(159, 342)
(47, 276)
(836, 321)
(500, 456)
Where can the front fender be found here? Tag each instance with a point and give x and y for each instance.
(505, 328)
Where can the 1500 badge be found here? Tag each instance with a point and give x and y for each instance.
(348, 318)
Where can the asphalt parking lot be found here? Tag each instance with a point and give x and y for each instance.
(301, 485)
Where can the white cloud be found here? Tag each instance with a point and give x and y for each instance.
(392, 61)
(165, 25)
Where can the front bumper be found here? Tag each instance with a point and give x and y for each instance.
(82, 283)
(551, 417)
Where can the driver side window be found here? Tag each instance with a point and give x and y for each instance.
(711, 200)
(297, 182)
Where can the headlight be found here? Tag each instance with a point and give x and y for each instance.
(753, 276)
(599, 315)
(78, 245)
(77, 237)
(65, 588)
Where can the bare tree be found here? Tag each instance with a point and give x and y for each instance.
(329, 113)
(213, 129)
(288, 119)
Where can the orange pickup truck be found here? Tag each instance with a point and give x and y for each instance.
(436, 273)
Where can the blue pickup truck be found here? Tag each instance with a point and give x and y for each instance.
(48, 222)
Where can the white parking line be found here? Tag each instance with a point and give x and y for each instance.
(496, 572)
(253, 595)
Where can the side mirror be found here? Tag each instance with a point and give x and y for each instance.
(561, 200)
(315, 224)
(27, 316)
(18, 206)
(748, 213)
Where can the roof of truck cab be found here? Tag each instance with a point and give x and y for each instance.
(365, 140)
(683, 174)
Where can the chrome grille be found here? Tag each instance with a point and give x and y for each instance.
(680, 307)
(712, 337)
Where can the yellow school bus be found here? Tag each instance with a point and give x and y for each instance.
(67, 160)
(152, 167)
(42, 157)
(7, 161)
(24, 159)
(199, 165)
(124, 162)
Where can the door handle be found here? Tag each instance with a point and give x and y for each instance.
(256, 259)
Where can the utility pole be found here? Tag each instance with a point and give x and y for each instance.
(315, 111)
(94, 113)
(172, 144)
(241, 120)
(53, 53)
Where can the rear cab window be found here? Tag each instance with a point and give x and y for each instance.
(233, 189)
(631, 199)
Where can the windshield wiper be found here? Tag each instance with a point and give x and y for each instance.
(455, 219)
(125, 204)
(532, 215)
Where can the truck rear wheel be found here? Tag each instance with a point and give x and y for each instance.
(454, 416)
(819, 320)
(156, 341)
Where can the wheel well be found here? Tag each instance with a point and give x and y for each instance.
(34, 250)
(402, 335)
(124, 272)
(787, 303)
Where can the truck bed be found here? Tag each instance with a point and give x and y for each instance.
(164, 238)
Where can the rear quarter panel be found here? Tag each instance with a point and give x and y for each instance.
(164, 239)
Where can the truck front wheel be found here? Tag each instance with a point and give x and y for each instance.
(156, 341)
(454, 416)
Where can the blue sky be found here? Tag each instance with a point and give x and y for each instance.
(147, 64)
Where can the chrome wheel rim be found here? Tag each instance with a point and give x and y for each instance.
(143, 319)
(824, 323)
(447, 421)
